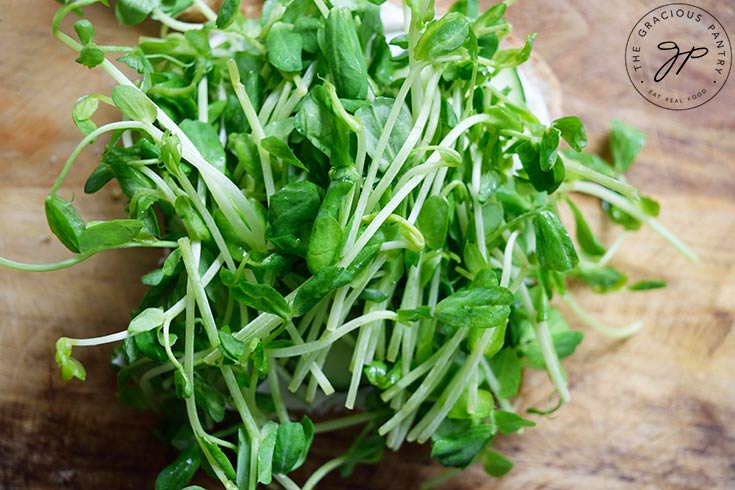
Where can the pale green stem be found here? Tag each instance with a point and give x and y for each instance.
(275, 388)
(172, 23)
(343, 422)
(87, 140)
(378, 155)
(614, 184)
(616, 333)
(428, 424)
(438, 370)
(300, 350)
(612, 250)
(628, 207)
(255, 126)
(551, 359)
(54, 266)
(192, 271)
(494, 384)
(322, 471)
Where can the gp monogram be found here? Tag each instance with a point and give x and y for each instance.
(678, 56)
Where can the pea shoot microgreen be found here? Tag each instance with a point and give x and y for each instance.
(338, 218)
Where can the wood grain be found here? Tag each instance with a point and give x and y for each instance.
(654, 412)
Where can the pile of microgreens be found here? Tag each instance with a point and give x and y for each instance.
(340, 223)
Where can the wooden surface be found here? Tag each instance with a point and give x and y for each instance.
(654, 412)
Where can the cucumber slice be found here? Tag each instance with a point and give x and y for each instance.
(509, 79)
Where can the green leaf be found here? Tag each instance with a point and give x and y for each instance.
(422, 11)
(327, 132)
(244, 450)
(199, 40)
(64, 221)
(646, 285)
(134, 104)
(284, 47)
(586, 239)
(542, 180)
(97, 179)
(219, 457)
(488, 45)
(279, 149)
(290, 444)
(367, 449)
(373, 118)
(548, 149)
(108, 235)
(291, 214)
(475, 308)
(325, 241)
(510, 58)
(442, 37)
(625, 144)
(210, 400)
(227, 12)
(382, 376)
(146, 320)
(503, 118)
(415, 314)
(572, 131)
(183, 384)
(147, 343)
(620, 217)
(318, 287)
(232, 348)
(459, 446)
(90, 56)
(176, 475)
(495, 464)
(650, 206)
(261, 297)
(206, 140)
(565, 343)
(554, 248)
(483, 406)
(508, 422)
(83, 110)
(84, 30)
(491, 17)
(507, 369)
(131, 12)
(344, 54)
(268, 435)
(70, 367)
(601, 279)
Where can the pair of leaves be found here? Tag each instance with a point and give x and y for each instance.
(475, 308)
(325, 241)
(283, 447)
(544, 178)
(91, 237)
(442, 37)
(260, 297)
(458, 443)
(319, 286)
(70, 367)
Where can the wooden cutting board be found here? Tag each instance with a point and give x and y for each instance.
(653, 412)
